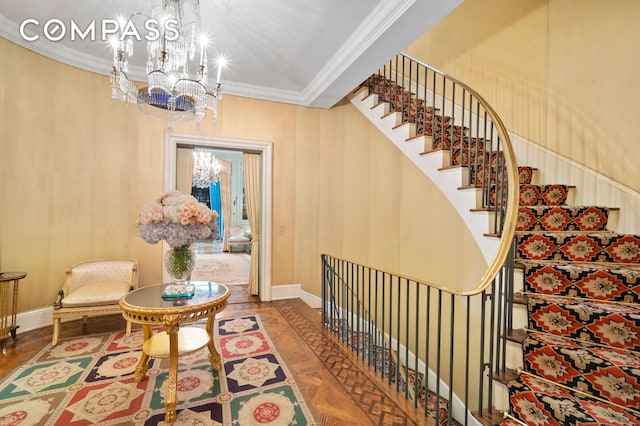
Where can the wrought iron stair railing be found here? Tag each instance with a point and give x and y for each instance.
(437, 346)
(440, 347)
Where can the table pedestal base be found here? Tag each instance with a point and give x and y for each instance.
(173, 345)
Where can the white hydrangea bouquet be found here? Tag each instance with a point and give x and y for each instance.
(178, 219)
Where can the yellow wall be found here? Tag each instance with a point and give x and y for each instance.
(76, 170)
(561, 73)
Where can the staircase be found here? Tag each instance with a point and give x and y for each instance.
(574, 331)
(580, 347)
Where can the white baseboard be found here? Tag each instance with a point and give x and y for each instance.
(37, 318)
(287, 291)
(311, 299)
(295, 291)
(42, 317)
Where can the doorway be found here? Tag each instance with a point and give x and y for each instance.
(265, 149)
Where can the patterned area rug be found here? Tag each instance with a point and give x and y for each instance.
(223, 268)
(89, 380)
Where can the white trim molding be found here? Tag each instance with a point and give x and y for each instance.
(295, 291)
(265, 148)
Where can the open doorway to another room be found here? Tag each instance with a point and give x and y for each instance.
(236, 184)
(218, 182)
(215, 177)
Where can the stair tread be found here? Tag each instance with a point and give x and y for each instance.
(523, 263)
(586, 320)
(531, 194)
(565, 233)
(487, 418)
(581, 246)
(565, 207)
(517, 335)
(603, 372)
(520, 299)
(506, 376)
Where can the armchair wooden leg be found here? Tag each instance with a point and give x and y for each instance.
(56, 331)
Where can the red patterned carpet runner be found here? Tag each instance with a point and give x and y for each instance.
(89, 380)
(562, 218)
(603, 247)
(581, 356)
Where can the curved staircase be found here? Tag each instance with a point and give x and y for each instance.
(577, 358)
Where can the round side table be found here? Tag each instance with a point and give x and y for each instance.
(8, 305)
(146, 306)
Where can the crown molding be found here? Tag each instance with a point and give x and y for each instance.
(383, 16)
(370, 30)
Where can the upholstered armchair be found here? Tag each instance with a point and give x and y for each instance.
(237, 238)
(94, 287)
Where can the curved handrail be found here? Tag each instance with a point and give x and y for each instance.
(359, 300)
(512, 179)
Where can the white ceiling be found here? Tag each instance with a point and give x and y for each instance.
(303, 52)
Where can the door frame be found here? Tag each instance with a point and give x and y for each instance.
(265, 148)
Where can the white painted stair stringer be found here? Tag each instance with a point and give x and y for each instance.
(448, 181)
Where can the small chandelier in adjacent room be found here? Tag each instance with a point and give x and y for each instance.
(174, 42)
(206, 169)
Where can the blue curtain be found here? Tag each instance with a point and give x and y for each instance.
(216, 204)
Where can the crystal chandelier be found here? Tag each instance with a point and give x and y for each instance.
(206, 169)
(174, 40)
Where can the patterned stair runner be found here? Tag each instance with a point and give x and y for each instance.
(535, 401)
(597, 322)
(584, 280)
(603, 247)
(562, 218)
(603, 372)
(581, 355)
(543, 195)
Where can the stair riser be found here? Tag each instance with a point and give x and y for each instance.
(562, 218)
(537, 195)
(547, 195)
(514, 355)
(601, 372)
(526, 175)
(500, 396)
(605, 324)
(583, 281)
(589, 247)
(520, 317)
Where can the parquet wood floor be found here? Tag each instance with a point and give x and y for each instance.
(338, 388)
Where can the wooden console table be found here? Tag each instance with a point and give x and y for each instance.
(8, 305)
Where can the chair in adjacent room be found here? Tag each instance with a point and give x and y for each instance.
(94, 287)
(237, 238)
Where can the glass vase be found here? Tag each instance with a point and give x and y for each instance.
(179, 262)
